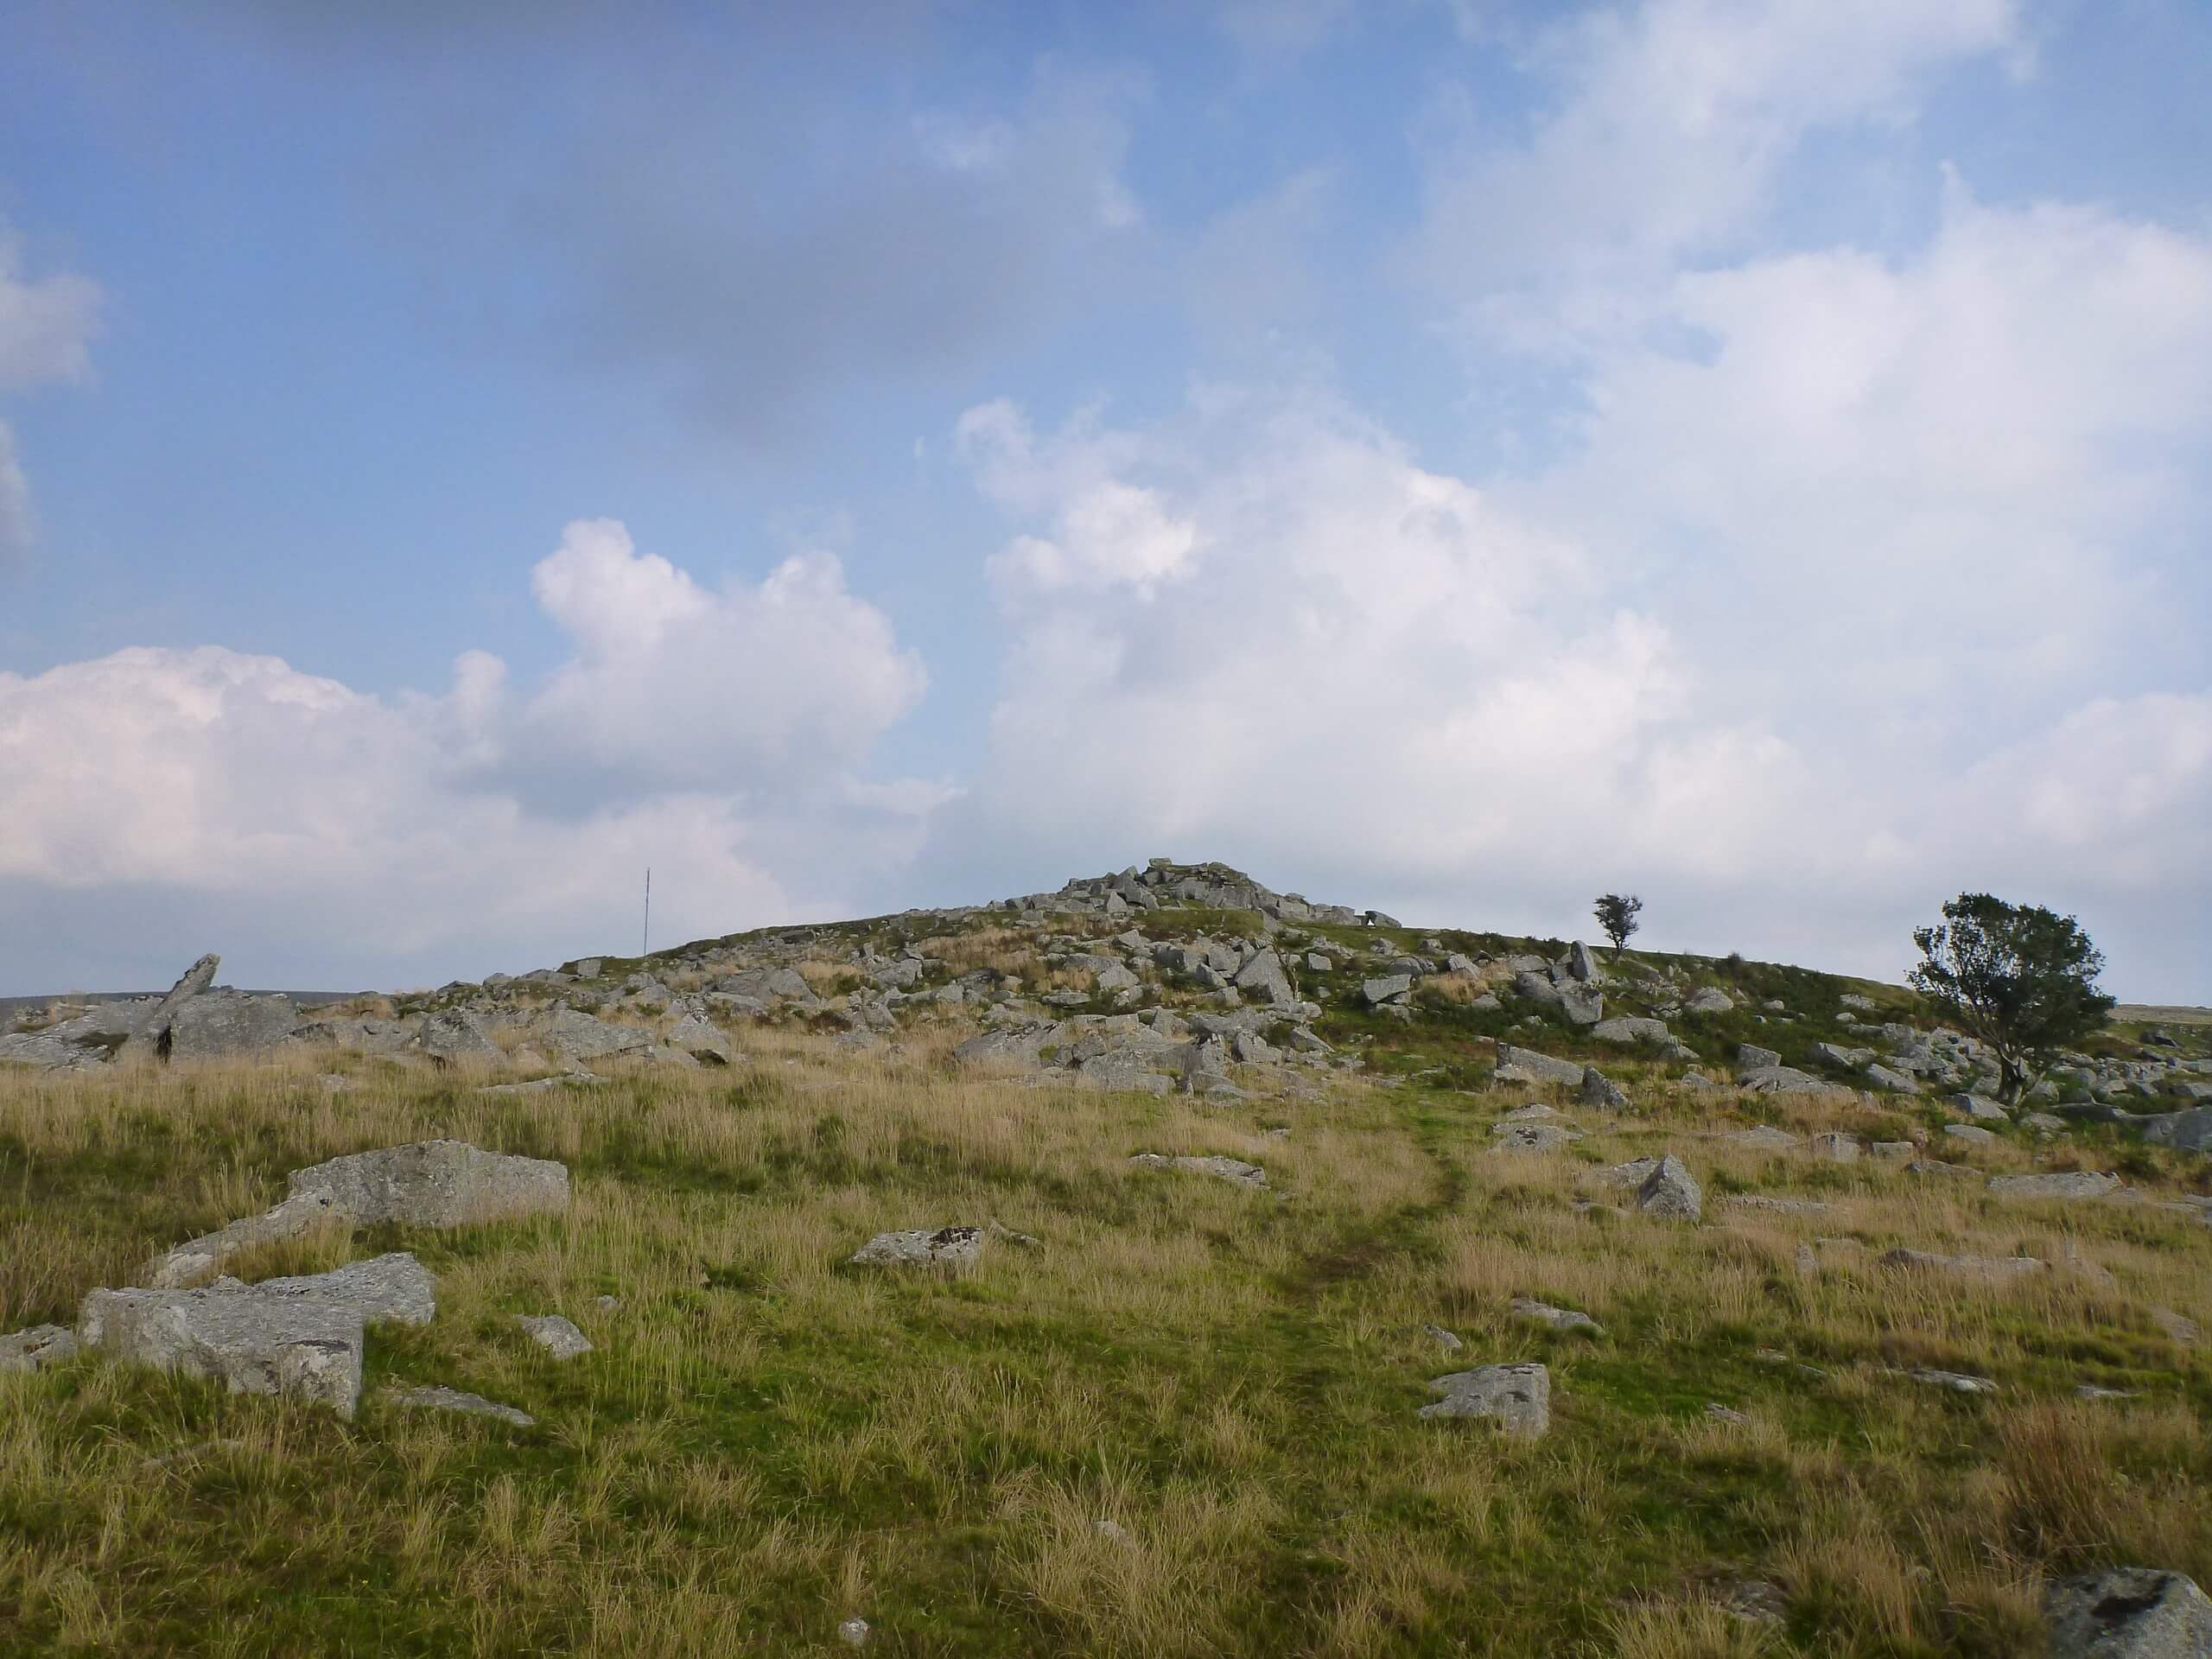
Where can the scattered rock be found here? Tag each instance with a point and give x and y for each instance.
(918, 1246)
(2001, 1268)
(1836, 1148)
(218, 1024)
(1560, 1319)
(437, 1397)
(197, 1259)
(1518, 1397)
(1532, 1137)
(1970, 1133)
(37, 1348)
(296, 1346)
(1670, 1192)
(1227, 1169)
(452, 1034)
(1750, 1057)
(701, 1040)
(1601, 1091)
(2179, 1328)
(2070, 1184)
(1767, 1137)
(1781, 1206)
(2128, 1612)
(1710, 1000)
(1391, 987)
(1443, 1340)
(1526, 1065)
(854, 1632)
(395, 1288)
(556, 1335)
(1728, 1414)
(1956, 1381)
(436, 1183)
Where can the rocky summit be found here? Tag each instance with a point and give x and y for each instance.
(1073, 1272)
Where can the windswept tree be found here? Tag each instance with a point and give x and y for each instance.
(2018, 977)
(1617, 913)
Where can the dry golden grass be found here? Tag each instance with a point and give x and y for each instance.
(1185, 1424)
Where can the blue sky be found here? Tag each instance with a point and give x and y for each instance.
(1453, 456)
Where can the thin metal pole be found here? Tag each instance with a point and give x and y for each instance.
(646, 938)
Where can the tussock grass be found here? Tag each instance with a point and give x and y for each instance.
(1184, 1424)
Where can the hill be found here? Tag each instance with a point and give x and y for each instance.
(1161, 1266)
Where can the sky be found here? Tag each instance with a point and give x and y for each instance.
(1449, 456)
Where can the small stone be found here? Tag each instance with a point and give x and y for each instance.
(1518, 1397)
(1443, 1338)
(1956, 1381)
(946, 1247)
(437, 1397)
(1728, 1414)
(1227, 1169)
(1836, 1148)
(1560, 1319)
(854, 1632)
(556, 1335)
(1532, 1137)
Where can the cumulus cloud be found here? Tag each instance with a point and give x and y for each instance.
(45, 329)
(308, 824)
(1373, 677)
(1672, 123)
(795, 677)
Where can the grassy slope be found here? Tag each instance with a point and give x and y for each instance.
(766, 1441)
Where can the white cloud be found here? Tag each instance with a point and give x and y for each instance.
(1675, 122)
(46, 330)
(682, 687)
(1372, 678)
(314, 824)
(1954, 480)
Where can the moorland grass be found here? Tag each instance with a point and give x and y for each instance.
(1183, 1424)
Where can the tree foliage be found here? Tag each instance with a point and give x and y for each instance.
(1617, 913)
(2017, 977)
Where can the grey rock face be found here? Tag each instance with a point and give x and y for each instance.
(1601, 1091)
(920, 1247)
(1526, 1065)
(153, 1036)
(1956, 1381)
(2128, 1612)
(556, 1335)
(56, 1049)
(1768, 1137)
(2071, 1183)
(217, 1024)
(436, 1397)
(37, 1348)
(1264, 977)
(1788, 1080)
(295, 1346)
(769, 985)
(1582, 1005)
(1836, 1148)
(1980, 1108)
(396, 1288)
(1970, 1133)
(452, 1034)
(1391, 987)
(1997, 1268)
(701, 1040)
(1532, 1137)
(1882, 1077)
(1710, 1000)
(1750, 1057)
(1227, 1169)
(2188, 1131)
(1518, 1397)
(1580, 968)
(1670, 1192)
(436, 1184)
(1560, 1319)
(571, 1037)
(195, 1260)
(1627, 1030)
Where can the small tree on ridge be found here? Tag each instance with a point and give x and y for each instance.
(1617, 913)
(2020, 978)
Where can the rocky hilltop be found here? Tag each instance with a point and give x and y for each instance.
(1164, 1264)
(1168, 977)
